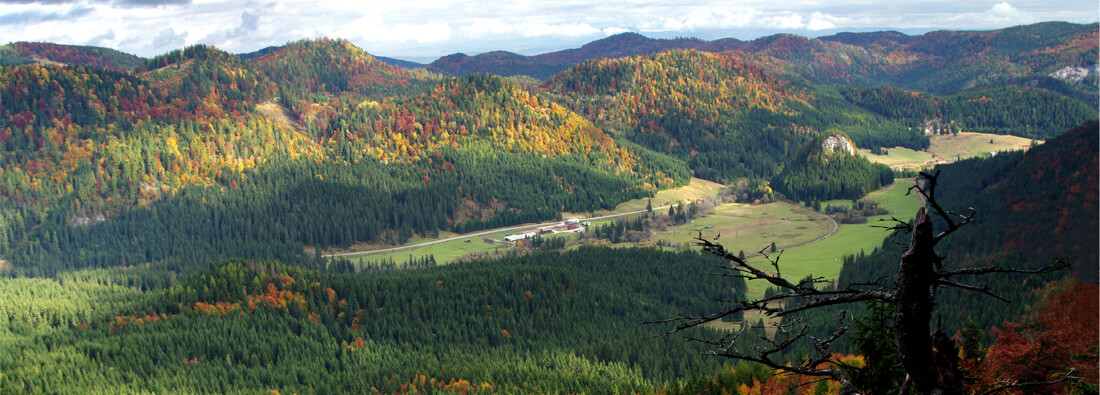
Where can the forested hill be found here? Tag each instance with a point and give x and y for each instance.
(545, 65)
(1038, 206)
(1021, 111)
(718, 112)
(332, 66)
(829, 168)
(541, 323)
(73, 55)
(1032, 207)
(209, 137)
(735, 114)
(940, 62)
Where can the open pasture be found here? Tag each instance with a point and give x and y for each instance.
(949, 148)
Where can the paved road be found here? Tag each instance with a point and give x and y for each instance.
(487, 232)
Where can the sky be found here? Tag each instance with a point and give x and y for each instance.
(422, 30)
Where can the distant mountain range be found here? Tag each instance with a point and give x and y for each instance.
(401, 63)
(938, 62)
(1043, 54)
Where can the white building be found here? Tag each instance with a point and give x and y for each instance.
(518, 237)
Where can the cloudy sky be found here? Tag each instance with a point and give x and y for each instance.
(426, 29)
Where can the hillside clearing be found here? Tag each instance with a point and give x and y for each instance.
(949, 148)
(279, 115)
(754, 227)
(967, 145)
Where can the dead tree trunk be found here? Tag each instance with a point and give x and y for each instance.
(914, 300)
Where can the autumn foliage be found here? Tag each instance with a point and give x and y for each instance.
(1059, 336)
(746, 379)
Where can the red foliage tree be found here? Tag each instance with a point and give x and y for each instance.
(1060, 337)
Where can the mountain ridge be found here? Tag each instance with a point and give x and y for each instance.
(867, 59)
(942, 61)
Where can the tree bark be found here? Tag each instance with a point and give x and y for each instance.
(914, 307)
(914, 302)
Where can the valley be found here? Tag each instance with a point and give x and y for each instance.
(457, 247)
(811, 242)
(311, 218)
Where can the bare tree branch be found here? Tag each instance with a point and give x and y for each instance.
(840, 299)
(900, 225)
(719, 250)
(928, 195)
(983, 289)
(727, 349)
(1058, 264)
(1068, 376)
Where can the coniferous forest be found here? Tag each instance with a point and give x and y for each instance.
(164, 221)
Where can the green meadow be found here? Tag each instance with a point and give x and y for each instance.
(949, 148)
(824, 258)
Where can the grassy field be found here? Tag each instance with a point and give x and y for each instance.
(900, 158)
(967, 145)
(823, 258)
(443, 252)
(754, 227)
(452, 250)
(741, 226)
(948, 149)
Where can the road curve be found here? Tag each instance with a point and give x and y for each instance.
(836, 227)
(490, 231)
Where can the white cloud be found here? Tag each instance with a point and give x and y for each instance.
(489, 27)
(565, 30)
(820, 21)
(1004, 9)
(611, 31)
(789, 21)
(1004, 13)
(723, 17)
(168, 39)
(102, 39)
(482, 27)
(702, 18)
(434, 31)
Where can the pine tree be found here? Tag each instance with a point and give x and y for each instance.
(873, 340)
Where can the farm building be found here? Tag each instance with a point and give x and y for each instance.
(518, 237)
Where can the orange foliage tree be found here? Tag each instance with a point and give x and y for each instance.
(1054, 351)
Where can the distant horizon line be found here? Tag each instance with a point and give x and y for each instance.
(545, 49)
